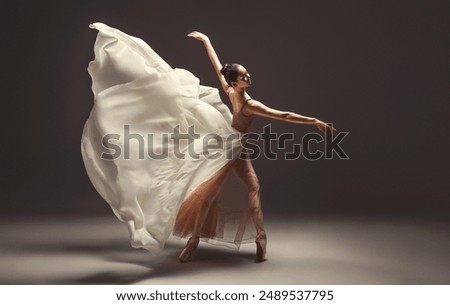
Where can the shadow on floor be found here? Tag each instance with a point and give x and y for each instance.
(118, 252)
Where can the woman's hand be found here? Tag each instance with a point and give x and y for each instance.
(323, 126)
(198, 36)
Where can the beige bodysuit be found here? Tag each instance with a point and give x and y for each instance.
(220, 219)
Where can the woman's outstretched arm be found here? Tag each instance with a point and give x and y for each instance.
(258, 108)
(213, 57)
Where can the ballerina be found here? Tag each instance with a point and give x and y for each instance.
(235, 80)
(136, 93)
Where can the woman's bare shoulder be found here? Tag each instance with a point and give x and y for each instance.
(230, 92)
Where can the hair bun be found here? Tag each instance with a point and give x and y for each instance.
(225, 68)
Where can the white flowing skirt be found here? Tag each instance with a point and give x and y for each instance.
(157, 141)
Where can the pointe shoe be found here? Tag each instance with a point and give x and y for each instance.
(187, 251)
(261, 242)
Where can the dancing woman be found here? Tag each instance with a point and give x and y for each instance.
(235, 80)
(136, 93)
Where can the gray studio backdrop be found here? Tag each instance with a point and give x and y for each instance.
(375, 69)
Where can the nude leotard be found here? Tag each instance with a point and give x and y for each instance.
(241, 121)
(207, 197)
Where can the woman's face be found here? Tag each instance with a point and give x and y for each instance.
(243, 80)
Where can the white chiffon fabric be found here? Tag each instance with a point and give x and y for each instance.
(133, 86)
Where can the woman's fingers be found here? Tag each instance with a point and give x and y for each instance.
(195, 34)
(323, 127)
(331, 128)
(192, 34)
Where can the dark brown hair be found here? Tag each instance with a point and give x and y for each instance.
(230, 71)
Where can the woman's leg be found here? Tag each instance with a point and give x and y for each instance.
(206, 196)
(193, 242)
(244, 169)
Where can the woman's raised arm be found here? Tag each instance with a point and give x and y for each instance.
(213, 57)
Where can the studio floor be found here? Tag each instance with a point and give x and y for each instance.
(305, 250)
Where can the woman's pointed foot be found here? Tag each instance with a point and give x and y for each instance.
(189, 249)
(261, 242)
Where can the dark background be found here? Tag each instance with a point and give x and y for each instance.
(376, 69)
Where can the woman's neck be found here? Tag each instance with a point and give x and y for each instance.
(240, 91)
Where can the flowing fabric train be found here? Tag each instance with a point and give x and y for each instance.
(130, 156)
